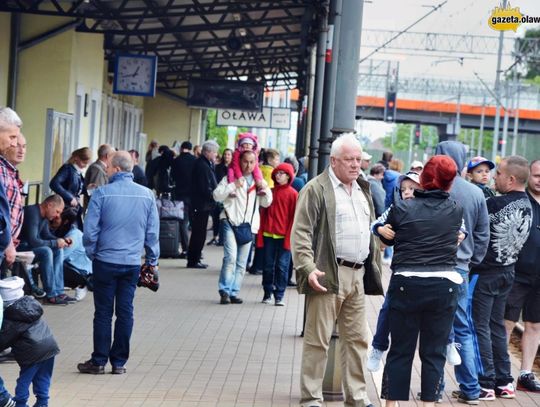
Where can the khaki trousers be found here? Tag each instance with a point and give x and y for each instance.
(348, 308)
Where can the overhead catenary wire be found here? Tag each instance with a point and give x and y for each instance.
(437, 7)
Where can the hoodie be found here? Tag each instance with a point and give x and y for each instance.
(473, 249)
(278, 218)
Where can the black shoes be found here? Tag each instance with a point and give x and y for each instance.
(89, 368)
(118, 370)
(528, 382)
(198, 265)
(183, 255)
(212, 242)
(224, 298)
(236, 300)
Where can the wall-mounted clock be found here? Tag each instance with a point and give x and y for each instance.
(135, 75)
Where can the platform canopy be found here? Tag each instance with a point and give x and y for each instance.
(212, 39)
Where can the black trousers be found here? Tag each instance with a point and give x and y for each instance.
(198, 235)
(184, 227)
(422, 306)
(490, 291)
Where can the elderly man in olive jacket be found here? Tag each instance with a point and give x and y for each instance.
(332, 249)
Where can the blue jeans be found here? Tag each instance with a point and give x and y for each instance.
(52, 269)
(466, 372)
(75, 255)
(276, 267)
(114, 289)
(4, 394)
(234, 263)
(382, 333)
(39, 375)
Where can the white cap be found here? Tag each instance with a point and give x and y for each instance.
(366, 156)
(417, 164)
(11, 288)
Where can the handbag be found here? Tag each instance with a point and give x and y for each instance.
(372, 277)
(242, 232)
(169, 209)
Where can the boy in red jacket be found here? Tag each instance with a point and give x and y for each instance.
(275, 234)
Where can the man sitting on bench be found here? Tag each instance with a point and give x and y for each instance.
(37, 237)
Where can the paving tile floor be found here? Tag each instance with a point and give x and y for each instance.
(190, 351)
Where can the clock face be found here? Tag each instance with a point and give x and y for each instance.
(135, 75)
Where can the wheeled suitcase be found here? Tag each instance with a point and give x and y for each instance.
(169, 238)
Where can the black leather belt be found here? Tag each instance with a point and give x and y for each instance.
(350, 264)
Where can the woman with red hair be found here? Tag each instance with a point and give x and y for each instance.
(424, 285)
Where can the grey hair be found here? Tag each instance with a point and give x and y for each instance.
(293, 161)
(9, 118)
(104, 150)
(122, 160)
(210, 146)
(345, 139)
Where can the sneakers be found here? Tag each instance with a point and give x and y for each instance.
(452, 355)
(56, 301)
(462, 398)
(486, 395)
(89, 368)
(37, 291)
(267, 299)
(505, 392)
(527, 382)
(438, 401)
(80, 293)
(280, 303)
(8, 403)
(67, 298)
(374, 360)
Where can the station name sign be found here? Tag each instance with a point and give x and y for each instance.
(268, 118)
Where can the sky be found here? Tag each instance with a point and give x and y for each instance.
(455, 17)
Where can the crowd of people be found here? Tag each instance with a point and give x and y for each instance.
(461, 247)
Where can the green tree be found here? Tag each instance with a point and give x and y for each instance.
(531, 58)
(215, 132)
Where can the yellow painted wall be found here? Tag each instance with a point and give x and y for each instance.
(86, 69)
(48, 75)
(167, 120)
(4, 55)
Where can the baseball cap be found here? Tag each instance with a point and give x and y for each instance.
(366, 156)
(417, 164)
(476, 161)
(413, 176)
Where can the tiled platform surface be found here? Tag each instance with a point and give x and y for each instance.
(187, 350)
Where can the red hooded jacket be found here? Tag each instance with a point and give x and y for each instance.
(279, 216)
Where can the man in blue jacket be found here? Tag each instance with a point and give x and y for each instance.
(122, 219)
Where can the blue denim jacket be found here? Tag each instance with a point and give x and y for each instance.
(122, 219)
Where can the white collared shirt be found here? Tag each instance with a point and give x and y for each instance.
(352, 221)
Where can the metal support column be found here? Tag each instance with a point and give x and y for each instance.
(330, 74)
(318, 99)
(347, 71)
(14, 41)
(498, 95)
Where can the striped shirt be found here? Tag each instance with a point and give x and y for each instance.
(352, 221)
(9, 177)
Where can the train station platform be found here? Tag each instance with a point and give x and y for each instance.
(190, 351)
